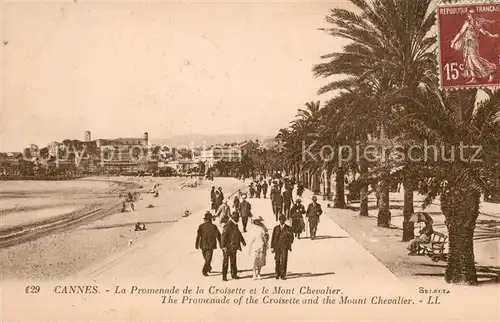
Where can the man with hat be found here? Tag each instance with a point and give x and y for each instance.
(281, 243)
(231, 242)
(313, 212)
(245, 211)
(206, 239)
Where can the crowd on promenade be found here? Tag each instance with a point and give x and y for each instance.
(292, 219)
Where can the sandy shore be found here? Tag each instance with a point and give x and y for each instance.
(63, 254)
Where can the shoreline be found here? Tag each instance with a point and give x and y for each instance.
(65, 253)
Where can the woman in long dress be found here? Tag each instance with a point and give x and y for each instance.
(258, 243)
(467, 41)
(298, 225)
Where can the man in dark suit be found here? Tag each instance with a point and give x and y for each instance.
(276, 201)
(245, 211)
(231, 241)
(206, 239)
(281, 243)
(313, 212)
(287, 201)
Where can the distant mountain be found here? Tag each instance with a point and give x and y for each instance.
(193, 140)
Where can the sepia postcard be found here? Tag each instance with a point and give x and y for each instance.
(250, 160)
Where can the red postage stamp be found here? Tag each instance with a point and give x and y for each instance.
(469, 44)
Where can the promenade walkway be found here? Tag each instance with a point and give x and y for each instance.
(171, 256)
(332, 278)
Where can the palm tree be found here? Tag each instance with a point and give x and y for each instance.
(455, 119)
(391, 49)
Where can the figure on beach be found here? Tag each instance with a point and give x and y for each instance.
(258, 245)
(206, 239)
(467, 41)
(281, 244)
(231, 242)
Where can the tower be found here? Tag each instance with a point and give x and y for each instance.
(145, 139)
(88, 138)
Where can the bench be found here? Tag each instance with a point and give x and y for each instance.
(435, 248)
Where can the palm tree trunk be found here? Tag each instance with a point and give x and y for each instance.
(339, 201)
(329, 170)
(363, 193)
(316, 183)
(408, 210)
(460, 206)
(384, 214)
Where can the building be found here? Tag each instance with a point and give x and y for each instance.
(53, 148)
(218, 153)
(127, 154)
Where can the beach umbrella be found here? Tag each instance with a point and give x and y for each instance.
(419, 217)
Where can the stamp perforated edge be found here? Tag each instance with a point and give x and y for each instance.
(449, 3)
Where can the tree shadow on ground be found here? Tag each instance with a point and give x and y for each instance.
(325, 237)
(295, 275)
(485, 274)
(487, 230)
(130, 224)
(218, 273)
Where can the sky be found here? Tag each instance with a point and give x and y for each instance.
(119, 69)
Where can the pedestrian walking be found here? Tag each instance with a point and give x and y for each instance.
(258, 188)
(251, 189)
(231, 241)
(276, 201)
(206, 239)
(300, 189)
(213, 199)
(258, 243)
(264, 188)
(245, 211)
(287, 202)
(281, 244)
(296, 213)
(219, 198)
(313, 212)
(236, 202)
(224, 212)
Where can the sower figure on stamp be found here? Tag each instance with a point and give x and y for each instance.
(467, 41)
(206, 240)
(231, 242)
(245, 211)
(281, 243)
(313, 212)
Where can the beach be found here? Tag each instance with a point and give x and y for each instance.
(65, 253)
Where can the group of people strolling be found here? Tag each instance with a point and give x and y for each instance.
(231, 241)
(257, 239)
